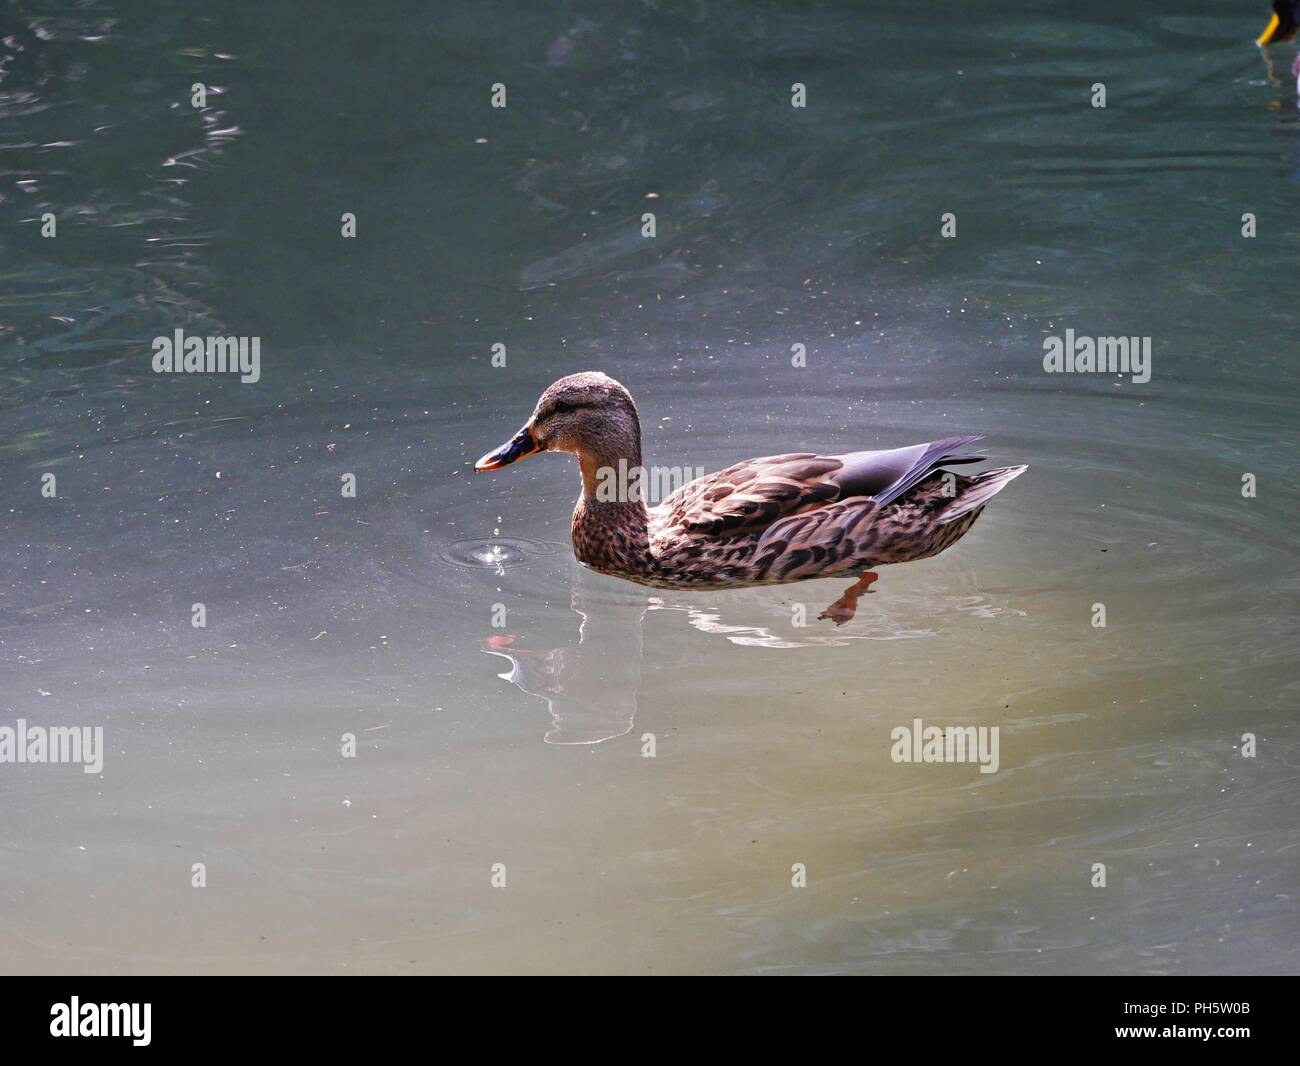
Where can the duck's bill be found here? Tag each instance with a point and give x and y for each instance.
(523, 443)
(1277, 30)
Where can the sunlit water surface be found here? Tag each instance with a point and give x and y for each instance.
(523, 743)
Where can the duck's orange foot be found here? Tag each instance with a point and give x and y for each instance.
(843, 609)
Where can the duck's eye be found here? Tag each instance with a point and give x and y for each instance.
(562, 408)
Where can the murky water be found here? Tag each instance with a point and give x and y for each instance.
(524, 743)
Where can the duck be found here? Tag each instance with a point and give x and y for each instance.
(769, 520)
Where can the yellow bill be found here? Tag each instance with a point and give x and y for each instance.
(1281, 26)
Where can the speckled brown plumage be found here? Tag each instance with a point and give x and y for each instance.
(762, 521)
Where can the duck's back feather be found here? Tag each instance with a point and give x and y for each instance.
(754, 495)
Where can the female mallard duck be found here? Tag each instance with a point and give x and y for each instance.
(762, 521)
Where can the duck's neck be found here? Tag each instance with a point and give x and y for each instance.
(610, 521)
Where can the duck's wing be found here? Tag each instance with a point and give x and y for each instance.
(757, 493)
(886, 475)
(752, 494)
(815, 541)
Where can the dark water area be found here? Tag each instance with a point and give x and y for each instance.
(521, 226)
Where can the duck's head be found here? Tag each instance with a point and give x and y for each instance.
(589, 415)
(1284, 23)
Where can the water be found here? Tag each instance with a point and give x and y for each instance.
(497, 552)
(522, 744)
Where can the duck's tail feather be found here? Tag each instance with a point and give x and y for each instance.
(983, 487)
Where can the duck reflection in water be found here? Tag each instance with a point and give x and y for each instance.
(591, 685)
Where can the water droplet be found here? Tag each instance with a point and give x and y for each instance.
(498, 553)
